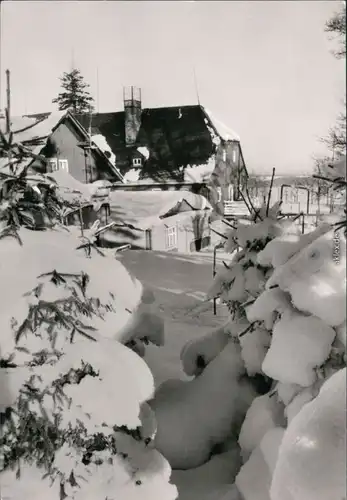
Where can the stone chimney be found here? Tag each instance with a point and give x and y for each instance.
(132, 114)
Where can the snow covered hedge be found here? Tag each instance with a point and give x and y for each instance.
(286, 294)
(75, 423)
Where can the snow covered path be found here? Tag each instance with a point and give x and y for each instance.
(179, 283)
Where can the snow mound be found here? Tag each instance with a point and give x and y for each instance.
(187, 429)
(203, 350)
(312, 457)
(211, 479)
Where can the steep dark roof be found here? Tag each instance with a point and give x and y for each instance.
(177, 123)
(176, 136)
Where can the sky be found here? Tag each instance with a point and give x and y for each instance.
(264, 68)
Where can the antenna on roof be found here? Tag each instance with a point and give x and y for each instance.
(72, 58)
(97, 89)
(196, 86)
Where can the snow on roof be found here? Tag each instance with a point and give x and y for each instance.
(143, 151)
(132, 175)
(226, 133)
(199, 173)
(146, 207)
(25, 128)
(28, 127)
(101, 142)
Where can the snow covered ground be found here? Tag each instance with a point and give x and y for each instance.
(179, 283)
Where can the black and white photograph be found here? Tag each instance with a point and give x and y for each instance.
(173, 250)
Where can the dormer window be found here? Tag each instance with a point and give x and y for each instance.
(137, 162)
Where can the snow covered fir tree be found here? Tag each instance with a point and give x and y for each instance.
(75, 423)
(286, 293)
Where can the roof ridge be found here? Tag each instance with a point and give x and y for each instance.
(143, 109)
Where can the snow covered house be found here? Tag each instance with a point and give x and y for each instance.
(182, 146)
(162, 221)
(64, 145)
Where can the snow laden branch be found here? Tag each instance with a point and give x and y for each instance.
(286, 341)
(63, 336)
(75, 422)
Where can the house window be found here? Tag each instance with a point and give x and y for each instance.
(64, 165)
(219, 194)
(137, 162)
(231, 192)
(224, 155)
(53, 164)
(234, 155)
(171, 237)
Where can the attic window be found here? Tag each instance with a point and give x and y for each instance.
(137, 162)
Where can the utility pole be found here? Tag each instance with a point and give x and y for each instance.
(8, 115)
(8, 102)
(0, 54)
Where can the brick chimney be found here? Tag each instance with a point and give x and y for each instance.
(132, 113)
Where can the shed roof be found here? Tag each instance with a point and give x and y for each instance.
(144, 209)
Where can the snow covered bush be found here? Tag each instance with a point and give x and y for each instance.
(286, 293)
(75, 423)
(196, 417)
